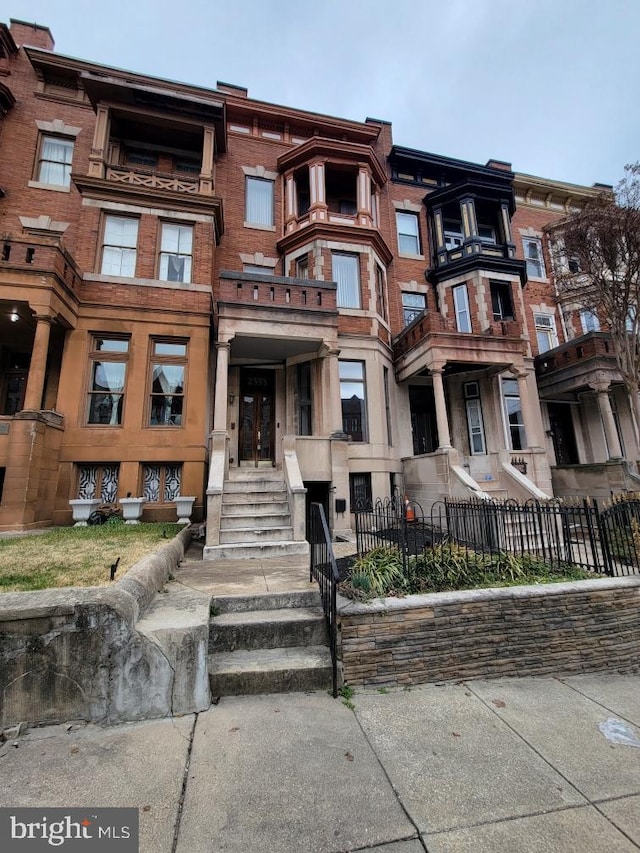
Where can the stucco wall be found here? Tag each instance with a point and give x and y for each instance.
(97, 653)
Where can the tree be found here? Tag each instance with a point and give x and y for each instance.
(596, 253)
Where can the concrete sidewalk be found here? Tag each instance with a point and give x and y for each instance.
(509, 765)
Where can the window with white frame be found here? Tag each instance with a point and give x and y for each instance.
(408, 233)
(259, 202)
(119, 245)
(589, 321)
(345, 270)
(354, 399)
(512, 408)
(546, 334)
(533, 256)
(161, 483)
(413, 306)
(461, 305)
(108, 361)
(475, 423)
(54, 161)
(176, 247)
(98, 482)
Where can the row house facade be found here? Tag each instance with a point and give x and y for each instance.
(194, 284)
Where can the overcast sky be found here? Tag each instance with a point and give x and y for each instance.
(552, 86)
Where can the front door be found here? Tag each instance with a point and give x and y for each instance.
(257, 416)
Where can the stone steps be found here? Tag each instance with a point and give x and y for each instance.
(271, 629)
(268, 643)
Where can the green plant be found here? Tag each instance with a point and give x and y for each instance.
(346, 694)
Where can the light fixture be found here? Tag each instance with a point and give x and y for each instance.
(14, 316)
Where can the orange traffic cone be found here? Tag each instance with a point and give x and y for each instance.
(409, 513)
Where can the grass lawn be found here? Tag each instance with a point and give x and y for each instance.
(77, 556)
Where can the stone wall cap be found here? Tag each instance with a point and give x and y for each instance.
(347, 607)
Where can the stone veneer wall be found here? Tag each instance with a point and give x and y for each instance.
(555, 629)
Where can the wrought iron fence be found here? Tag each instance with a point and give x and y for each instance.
(605, 541)
(324, 570)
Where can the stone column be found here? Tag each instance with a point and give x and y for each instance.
(527, 414)
(206, 170)
(222, 385)
(331, 400)
(444, 438)
(608, 421)
(100, 143)
(38, 366)
(364, 195)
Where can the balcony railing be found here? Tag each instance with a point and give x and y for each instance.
(41, 258)
(152, 180)
(270, 291)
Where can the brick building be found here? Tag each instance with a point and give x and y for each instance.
(201, 294)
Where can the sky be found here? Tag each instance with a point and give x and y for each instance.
(551, 86)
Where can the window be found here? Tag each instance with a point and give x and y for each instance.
(461, 305)
(119, 246)
(54, 161)
(413, 306)
(380, 293)
(387, 404)
(304, 398)
(501, 300)
(161, 483)
(533, 256)
(513, 414)
(175, 252)
(408, 233)
(107, 383)
(259, 208)
(168, 367)
(353, 396)
(545, 331)
(98, 481)
(345, 270)
(257, 269)
(302, 267)
(487, 234)
(474, 418)
(360, 493)
(453, 236)
(590, 322)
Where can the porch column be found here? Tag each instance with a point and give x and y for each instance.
(38, 366)
(608, 421)
(528, 415)
(222, 385)
(444, 438)
(100, 144)
(331, 400)
(364, 195)
(206, 170)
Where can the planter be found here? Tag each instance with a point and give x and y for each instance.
(82, 509)
(184, 508)
(132, 509)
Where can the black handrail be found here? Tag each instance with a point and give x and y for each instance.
(323, 569)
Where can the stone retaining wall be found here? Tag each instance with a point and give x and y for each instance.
(96, 653)
(555, 629)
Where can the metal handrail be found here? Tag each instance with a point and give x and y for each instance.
(323, 569)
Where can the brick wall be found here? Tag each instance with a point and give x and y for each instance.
(585, 626)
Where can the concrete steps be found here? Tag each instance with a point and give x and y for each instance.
(270, 643)
(255, 519)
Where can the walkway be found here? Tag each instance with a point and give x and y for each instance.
(489, 767)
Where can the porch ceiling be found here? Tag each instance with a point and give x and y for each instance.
(246, 347)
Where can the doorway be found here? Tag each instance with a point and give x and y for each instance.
(562, 434)
(257, 417)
